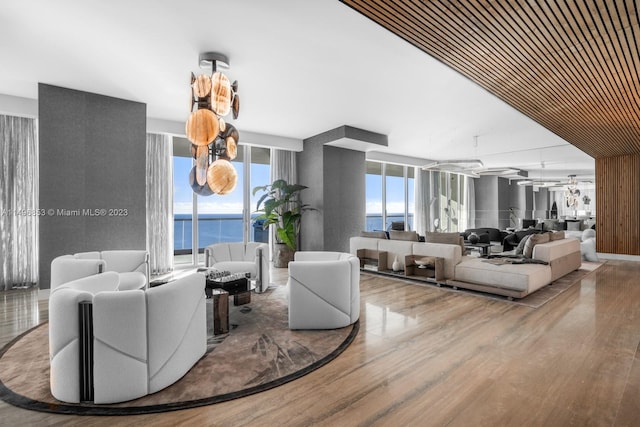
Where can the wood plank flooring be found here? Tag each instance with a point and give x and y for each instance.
(429, 357)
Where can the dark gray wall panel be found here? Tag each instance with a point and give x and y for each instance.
(336, 180)
(344, 197)
(92, 157)
(310, 173)
(541, 202)
(486, 201)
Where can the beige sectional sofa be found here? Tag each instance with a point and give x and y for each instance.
(498, 275)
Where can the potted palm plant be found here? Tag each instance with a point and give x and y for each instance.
(281, 206)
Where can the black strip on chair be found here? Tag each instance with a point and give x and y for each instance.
(85, 336)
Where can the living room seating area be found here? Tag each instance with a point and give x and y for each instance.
(546, 258)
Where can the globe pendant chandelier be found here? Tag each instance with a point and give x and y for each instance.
(214, 142)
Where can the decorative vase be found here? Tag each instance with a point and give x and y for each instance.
(473, 238)
(282, 255)
(396, 264)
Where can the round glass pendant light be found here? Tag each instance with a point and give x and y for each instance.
(214, 97)
(202, 127)
(222, 177)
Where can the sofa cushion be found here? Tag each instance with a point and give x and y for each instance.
(518, 277)
(449, 238)
(403, 235)
(532, 241)
(374, 234)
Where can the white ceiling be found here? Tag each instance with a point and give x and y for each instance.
(303, 68)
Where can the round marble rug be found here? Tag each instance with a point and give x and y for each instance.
(259, 353)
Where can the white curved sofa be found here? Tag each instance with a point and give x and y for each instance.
(133, 265)
(324, 290)
(143, 340)
(252, 258)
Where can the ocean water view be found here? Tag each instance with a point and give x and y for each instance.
(218, 228)
(212, 228)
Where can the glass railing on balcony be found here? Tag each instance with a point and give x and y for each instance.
(212, 228)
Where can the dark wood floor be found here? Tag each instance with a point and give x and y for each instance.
(428, 357)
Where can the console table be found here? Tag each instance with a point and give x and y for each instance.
(371, 259)
(432, 269)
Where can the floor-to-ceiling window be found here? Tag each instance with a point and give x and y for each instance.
(182, 206)
(389, 195)
(225, 218)
(452, 209)
(259, 175)
(373, 189)
(220, 217)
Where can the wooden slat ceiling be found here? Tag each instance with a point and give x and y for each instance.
(571, 66)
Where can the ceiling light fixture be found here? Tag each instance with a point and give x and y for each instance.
(211, 137)
(454, 164)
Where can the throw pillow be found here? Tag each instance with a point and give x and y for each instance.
(556, 235)
(532, 241)
(403, 235)
(520, 247)
(588, 249)
(374, 234)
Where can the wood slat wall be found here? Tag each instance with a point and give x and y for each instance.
(618, 208)
(572, 66)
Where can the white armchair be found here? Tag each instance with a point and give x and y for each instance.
(252, 257)
(135, 342)
(133, 266)
(324, 290)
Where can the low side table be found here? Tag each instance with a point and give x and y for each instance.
(240, 288)
(220, 302)
(483, 248)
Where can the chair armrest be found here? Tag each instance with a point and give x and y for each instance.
(208, 255)
(67, 268)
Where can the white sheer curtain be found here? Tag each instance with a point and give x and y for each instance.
(283, 166)
(470, 203)
(427, 200)
(160, 203)
(421, 197)
(18, 202)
